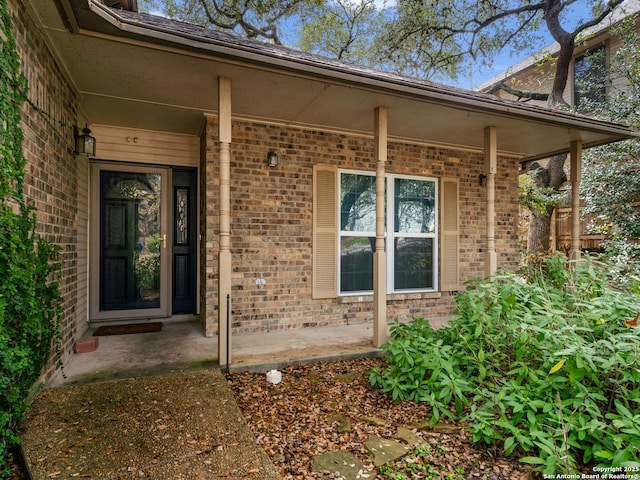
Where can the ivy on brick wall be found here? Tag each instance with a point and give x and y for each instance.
(30, 303)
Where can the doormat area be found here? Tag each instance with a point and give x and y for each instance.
(127, 329)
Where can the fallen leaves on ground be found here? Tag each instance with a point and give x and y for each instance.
(305, 415)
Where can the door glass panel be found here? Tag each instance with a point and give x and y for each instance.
(182, 216)
(131, 241)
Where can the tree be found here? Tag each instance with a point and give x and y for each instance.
(539, 194)
(261, 19)
(343, 29)
(611, 179)
(480, 29)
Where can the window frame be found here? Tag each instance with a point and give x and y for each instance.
(390, 239)
(389, 236)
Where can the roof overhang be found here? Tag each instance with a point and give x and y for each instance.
(156, 74)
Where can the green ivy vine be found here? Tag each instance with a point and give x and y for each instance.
(30, 303)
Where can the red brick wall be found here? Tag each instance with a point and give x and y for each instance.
(50, 183)
(271, 224)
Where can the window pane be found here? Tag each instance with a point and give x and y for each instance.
(414, 206)
(357, 203)
(590, 79)
(356, 264)
(413, 263)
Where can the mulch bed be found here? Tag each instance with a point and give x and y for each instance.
(296, 419)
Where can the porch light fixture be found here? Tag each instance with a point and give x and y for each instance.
(272, 159)
(482, 180)
(85, 143)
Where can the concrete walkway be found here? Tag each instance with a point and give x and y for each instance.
(130, 408)
(182, 346)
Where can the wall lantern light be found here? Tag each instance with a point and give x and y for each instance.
(85, 143)
(482, 180)
(272, 159)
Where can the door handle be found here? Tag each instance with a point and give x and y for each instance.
(164, 240)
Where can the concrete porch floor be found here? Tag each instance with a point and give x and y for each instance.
(182, 346)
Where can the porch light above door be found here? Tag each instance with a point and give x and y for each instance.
(85, 143)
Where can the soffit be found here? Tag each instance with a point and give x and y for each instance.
(166, 84)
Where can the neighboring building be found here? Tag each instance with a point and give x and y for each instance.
(535, 74)
(231, 168)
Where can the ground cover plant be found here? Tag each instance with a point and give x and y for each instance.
(29, 297)
(543, 364)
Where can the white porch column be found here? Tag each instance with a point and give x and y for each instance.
(224, 255)
(490, 162)
(575, 177)
(380, 255)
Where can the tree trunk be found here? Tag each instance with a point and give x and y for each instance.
(550, 177)
(539, 231)
(567, 44)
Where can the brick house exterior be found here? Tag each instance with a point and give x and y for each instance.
(272, 230)
(167, 100)
(52, 170)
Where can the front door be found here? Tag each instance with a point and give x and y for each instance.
(133, 241)
(146, 251)
(131, 245)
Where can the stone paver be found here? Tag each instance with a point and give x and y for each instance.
(342, 462)
(408, 436)
(385, 450)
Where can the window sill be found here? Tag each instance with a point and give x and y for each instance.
(391, 297)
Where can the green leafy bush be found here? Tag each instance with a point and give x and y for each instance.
(29, 298)
(29, 308)
(542, 364)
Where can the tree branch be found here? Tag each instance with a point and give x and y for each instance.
(523, 94)
(611, 5)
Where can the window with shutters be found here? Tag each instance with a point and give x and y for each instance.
(410, 207)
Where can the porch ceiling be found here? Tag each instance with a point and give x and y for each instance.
(145, 78)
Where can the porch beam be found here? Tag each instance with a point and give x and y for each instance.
(380, 255)
(491, 162)
(575, 177)
(224, 254)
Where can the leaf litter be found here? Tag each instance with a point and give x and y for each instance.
(304, 416)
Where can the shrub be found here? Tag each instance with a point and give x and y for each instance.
(545, 364)
(29, 298)
(29, 308)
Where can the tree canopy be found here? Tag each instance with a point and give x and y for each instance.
(611, 181)
(432, 39)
